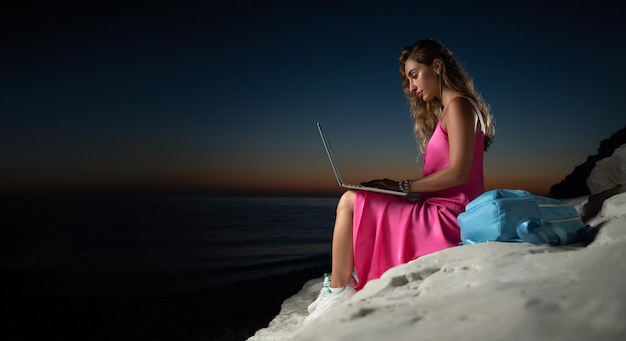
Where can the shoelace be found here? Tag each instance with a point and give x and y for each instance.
(326, 282)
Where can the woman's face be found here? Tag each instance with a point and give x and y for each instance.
(423, 80)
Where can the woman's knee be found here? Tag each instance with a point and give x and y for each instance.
(346, 202)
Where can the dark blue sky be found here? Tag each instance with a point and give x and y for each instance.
(201, 97)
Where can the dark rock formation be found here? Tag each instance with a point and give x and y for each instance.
(575, 184)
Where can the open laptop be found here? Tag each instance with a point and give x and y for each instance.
(333, 163)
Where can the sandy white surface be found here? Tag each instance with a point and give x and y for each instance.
(488, 291)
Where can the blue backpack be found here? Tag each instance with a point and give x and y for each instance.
(510, 215)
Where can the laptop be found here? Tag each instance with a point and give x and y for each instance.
(333, 163)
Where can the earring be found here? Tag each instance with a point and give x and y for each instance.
(440, 88)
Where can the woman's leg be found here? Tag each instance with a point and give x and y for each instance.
(342, 262)
(342, 253)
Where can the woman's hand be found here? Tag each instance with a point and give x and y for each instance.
(382, 183)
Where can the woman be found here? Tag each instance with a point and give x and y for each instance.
(374, 232)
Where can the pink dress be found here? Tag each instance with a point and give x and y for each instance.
(389, 230)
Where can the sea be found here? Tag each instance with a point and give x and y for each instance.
(151, 245)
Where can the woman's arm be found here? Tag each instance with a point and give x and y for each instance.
(460, 123)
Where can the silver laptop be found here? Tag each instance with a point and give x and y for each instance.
(333, 163)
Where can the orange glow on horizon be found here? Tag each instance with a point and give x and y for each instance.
(295, 180)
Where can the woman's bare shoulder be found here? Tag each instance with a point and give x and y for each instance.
(460, 109)
(461, 104)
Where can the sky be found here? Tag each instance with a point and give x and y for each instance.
(223, 97)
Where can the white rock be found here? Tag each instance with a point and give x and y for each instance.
(488, 291)
(608, 172)
(292, 313)
(614, 207)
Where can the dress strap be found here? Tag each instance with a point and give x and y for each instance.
(478, 115)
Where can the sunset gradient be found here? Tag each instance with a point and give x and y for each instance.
(224, 98)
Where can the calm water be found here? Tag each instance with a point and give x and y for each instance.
(142, 245)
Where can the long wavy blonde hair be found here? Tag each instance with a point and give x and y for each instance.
(426, 114)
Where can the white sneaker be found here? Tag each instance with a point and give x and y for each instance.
(328, 301)
(325, 284)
